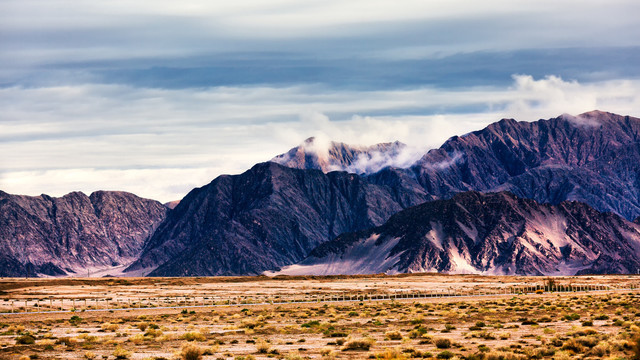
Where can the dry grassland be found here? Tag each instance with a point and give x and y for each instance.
(586, 325)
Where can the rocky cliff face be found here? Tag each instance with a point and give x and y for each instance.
(337, 156)
(267, 217)
(593, 158)
(495, 233)
(75, 233)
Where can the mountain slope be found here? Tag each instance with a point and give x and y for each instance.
(267, 217)
(337, 156)
(73, 233)
(593, 158)
(494, 233)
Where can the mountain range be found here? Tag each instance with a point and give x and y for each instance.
(320, 199)
(491, 233)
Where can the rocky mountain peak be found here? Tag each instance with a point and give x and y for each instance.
(330, 156)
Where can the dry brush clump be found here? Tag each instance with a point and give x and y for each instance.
(358, 345)
(190, 351)
(262, 346)
(442, 343)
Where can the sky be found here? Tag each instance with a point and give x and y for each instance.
(158, 97)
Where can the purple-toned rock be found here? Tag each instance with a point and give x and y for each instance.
(74, 234)
(267, 217)
(592, 158)
(494, 233)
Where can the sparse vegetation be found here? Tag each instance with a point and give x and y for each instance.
(442, 343)
(190, 351)
(548, 326)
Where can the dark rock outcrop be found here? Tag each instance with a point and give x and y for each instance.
(267, 217)
(75, 233)
(494, 233)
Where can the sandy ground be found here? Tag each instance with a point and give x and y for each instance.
(317, 330)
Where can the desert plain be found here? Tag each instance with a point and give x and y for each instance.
(338, 317)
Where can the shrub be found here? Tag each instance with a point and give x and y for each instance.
(154, 333)
(358, 345)
(571, 317)
(192, 336)
(442, 343)
(110, 327)
(25, 340)
(391, 354)
(311, 324)
(445, 355)
(337, 334)
(573, 345)
(601, 350)
(120, 353)
(393, 335)
(635, 347)
(191, 352)
(262, 346)
(137, 339)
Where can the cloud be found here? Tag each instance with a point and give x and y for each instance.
(374, 161)
(160, 143)
(440, 165)
(52, 39)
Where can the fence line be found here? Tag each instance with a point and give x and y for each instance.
(50, 305)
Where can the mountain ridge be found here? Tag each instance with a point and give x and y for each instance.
(75, 233)
(484, 233)
(226, 227)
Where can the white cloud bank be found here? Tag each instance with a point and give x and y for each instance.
(161, 143)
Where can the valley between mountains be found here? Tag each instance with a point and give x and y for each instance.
(550, 197)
